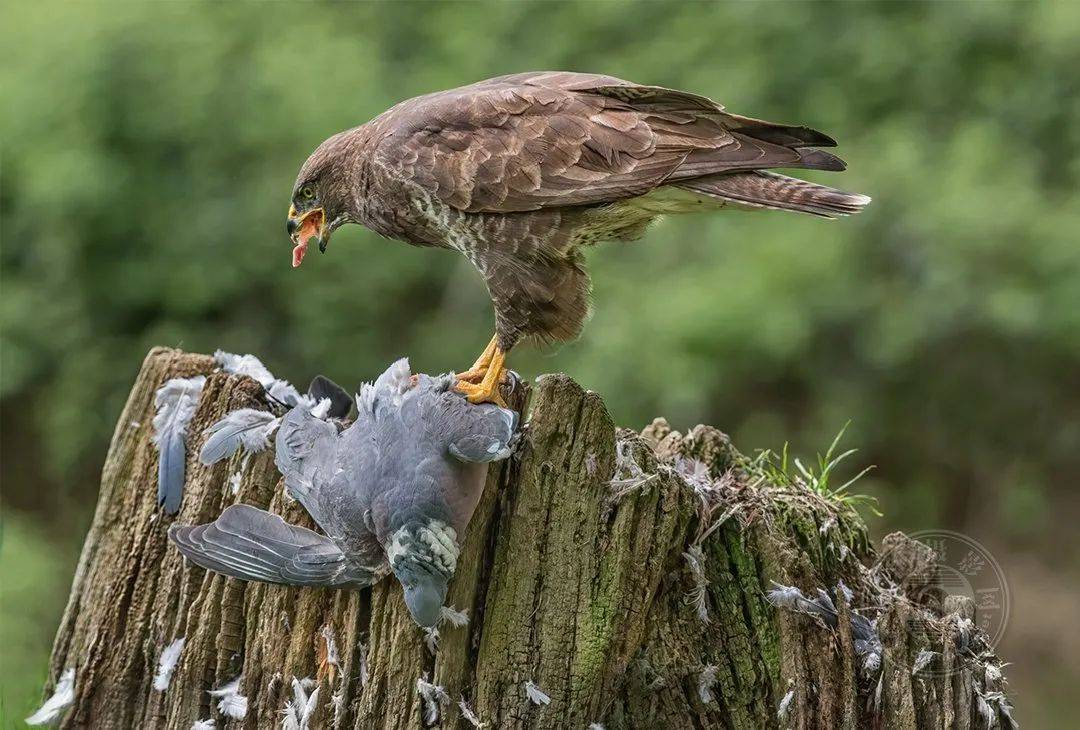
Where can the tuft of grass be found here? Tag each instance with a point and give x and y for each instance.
(783, 470)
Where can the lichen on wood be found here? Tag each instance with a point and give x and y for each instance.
(574, 579)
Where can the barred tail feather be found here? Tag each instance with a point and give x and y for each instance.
(761, 189)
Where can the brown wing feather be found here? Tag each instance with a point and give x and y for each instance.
(533, 141)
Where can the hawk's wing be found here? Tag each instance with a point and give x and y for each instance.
(530, 141)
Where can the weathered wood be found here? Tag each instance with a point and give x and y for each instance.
(573, 576)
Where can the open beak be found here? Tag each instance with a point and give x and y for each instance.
(303, 228)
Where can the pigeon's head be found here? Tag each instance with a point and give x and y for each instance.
(323, 196)
(423, 556)
(425, 591)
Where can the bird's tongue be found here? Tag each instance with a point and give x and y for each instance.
(298, 253)
(309, 229)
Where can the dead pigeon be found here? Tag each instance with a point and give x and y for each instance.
(394, 491)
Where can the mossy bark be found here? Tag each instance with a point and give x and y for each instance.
(572, 574)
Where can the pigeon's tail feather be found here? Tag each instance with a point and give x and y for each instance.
(340, 400)
(252, 544)
(171, 458)
(761, 189)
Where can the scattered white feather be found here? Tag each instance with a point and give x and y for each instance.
(535, 694)
(277, 388)
(298, 711)
(706, 680)
(248, 365)
(434, 698)
(174, 400)
(983, 708)
(595, 726)
(431, 639)
(327, 633)
(469, 715)
(62, 696)
(699, 595)
(248, 429)
(204, 725)
(1004, 710)
(785, 705)
(363, 669)
(453, 617)
(922, 661)
(788, 597)
(845, 591)
(167, 664)
(230, 702)
(872, 661)
(337, 701)
(285, 392)
(234, 482)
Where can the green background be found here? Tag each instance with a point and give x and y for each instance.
(148, 153)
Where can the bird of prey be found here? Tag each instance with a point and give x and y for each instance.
(393, 492)
(520, 172)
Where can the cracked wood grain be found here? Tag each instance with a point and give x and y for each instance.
(565, 586)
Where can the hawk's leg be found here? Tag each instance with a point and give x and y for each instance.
(476, 373)
(487, 390)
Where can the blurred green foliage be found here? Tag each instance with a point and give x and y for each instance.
(149, 150)
(34, 580)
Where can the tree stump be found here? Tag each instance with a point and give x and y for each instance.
(609, 577)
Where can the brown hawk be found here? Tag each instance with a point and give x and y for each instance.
(519, 172)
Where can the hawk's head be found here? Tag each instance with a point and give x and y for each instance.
(322, 198)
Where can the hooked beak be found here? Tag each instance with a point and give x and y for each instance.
(302, 228)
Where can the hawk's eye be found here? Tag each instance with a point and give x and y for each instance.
(307, 192)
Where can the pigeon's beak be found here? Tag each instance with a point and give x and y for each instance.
(302, 228)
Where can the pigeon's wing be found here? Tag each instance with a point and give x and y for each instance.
(340, 401)
(252, 544)
(305, 454)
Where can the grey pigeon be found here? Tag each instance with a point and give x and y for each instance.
(394, 491)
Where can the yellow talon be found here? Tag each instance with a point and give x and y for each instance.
(489, 370)
(476, 373)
